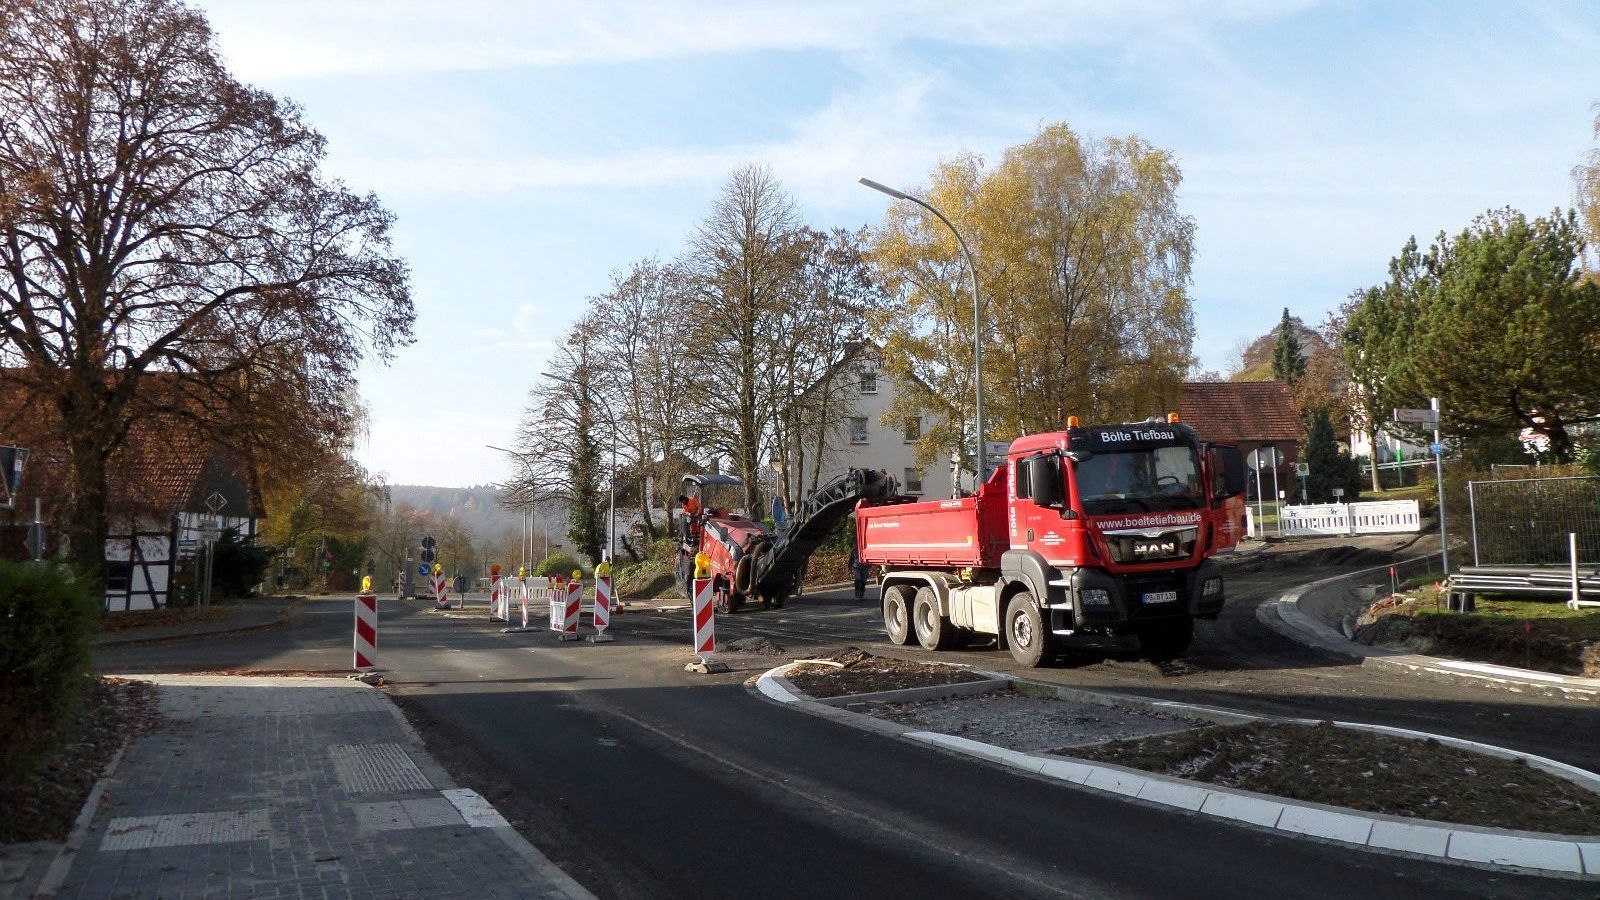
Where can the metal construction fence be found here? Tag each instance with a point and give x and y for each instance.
(1525, 521)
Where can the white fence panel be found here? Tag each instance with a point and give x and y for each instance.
(1377, 517)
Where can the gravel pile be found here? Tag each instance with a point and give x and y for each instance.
(1008, 719)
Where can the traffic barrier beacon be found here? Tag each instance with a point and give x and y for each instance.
(495, 612)
(704, 619)
(569, 604)
(602, 603)
(366, 640)
(441, 599)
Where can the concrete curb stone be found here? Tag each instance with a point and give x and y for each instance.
(1287, 617)
(1530, 852)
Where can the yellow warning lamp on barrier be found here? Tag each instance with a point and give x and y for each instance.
(577, 575)
(494, 571)
(702, 565)
(366, 584)
(438, 568)
(1172, 418)
(1072, 421)
(603, 570)
(522, 571)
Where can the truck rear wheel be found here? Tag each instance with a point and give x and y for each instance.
(933, 632)
(897, 614)
(1026, 635)
(1167, 640)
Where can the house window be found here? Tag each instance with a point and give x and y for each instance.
(858, 429)
(869, 381)
(913, 481)
(913, 430)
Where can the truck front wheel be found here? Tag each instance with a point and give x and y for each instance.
(897, 614)
(1026, 635)
(933, 632)
(1167, 640)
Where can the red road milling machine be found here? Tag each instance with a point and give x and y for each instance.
(750, 562)
(1092, 537)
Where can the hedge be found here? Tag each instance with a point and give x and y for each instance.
(47, 617)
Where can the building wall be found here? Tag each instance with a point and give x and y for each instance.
(885, 447)
(151, 549)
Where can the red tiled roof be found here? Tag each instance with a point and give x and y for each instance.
(1241, 411)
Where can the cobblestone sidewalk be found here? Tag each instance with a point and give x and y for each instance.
(295, 788)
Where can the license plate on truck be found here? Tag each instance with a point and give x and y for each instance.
(1153, 597)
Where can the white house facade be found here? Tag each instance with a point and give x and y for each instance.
(863, 441)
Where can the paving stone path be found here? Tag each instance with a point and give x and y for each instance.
(295, 788)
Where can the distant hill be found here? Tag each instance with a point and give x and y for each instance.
(478, 507)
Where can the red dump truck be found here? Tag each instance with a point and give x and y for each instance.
(1095, 536)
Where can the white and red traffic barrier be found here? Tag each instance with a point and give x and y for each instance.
(441, 597)
(705, 628)
(495, 612)
(602, 609)
(366, 641)
(523, 595)
(557, 597)
(565, 604)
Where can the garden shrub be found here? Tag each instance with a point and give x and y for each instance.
(47, 616)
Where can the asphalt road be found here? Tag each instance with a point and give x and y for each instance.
(645, 781)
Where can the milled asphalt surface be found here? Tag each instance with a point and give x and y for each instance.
(642, 780)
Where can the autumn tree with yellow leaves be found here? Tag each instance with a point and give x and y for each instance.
(1083, 260)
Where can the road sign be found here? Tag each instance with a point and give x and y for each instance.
(210, 534)
(1302, 469)
(216, 502)
(422, 569)
(1265, 458)
(1438, 449)
(1338, 492)
(1417, 416)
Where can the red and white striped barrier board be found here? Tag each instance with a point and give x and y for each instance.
(705, 620)
(570, 606)
(495, 612)
(439, 596)
(602, 609)
(366, 633)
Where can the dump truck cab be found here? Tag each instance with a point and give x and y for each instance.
(1083, 536)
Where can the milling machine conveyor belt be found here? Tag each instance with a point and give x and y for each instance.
(778, 569)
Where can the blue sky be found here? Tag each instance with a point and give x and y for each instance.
(530, 149)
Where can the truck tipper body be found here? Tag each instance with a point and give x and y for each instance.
(1092, 536)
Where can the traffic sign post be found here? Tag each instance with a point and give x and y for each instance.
(1438, 470)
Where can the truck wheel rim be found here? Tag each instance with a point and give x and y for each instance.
(896, 616)
(1022, 630)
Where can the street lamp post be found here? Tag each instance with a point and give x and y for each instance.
(611, 478)
(531, 513)
(977, 323)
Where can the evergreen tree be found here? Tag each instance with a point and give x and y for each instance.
(587, 527)
(1287, 363)
(1329, 465)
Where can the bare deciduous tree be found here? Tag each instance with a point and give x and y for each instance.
(158, 219)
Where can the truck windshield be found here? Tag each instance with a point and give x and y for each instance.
(1139, 479)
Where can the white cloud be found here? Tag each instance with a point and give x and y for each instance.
(311, 38)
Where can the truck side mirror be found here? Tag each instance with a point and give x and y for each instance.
(1044, 481)
(1228, 472)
